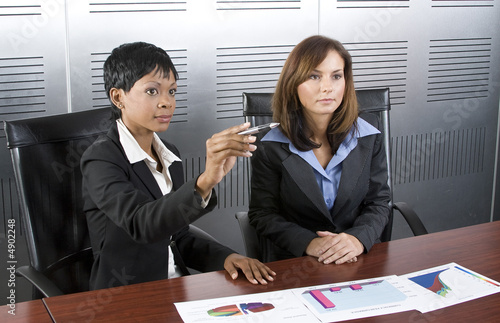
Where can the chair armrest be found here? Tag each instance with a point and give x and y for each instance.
(42, 282)
(416, 225)
(200, 233)
(80, 255)
(39, 280)
(249, 235)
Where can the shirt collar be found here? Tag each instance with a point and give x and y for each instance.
(349, 143)
(135, 153)
(364, 129)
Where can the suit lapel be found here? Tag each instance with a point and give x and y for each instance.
(352, 168)
(176, 174)
(303, 175)
(175, 169)
(140, 168)
(143, 172)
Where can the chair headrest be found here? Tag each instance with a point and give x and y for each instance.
(62, 127)
(257, 104)
(373, 100)
(369, 100)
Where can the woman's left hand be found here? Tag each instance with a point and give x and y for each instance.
(255, 271)
(339, 248)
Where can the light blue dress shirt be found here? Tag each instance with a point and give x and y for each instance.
(327, 178)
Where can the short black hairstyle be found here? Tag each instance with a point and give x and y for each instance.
(130, 62)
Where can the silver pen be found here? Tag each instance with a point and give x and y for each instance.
(252, 130)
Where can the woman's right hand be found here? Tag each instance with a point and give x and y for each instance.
(222, 150)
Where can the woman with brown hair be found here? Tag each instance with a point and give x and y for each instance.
(319, 180)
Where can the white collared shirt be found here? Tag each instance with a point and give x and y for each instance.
(135, 154)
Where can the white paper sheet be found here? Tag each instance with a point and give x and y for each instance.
(280, 306)
(448, 285)
(357, 299)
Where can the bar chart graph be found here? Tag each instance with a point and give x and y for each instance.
(351, 296)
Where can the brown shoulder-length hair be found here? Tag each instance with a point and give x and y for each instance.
(286, 106)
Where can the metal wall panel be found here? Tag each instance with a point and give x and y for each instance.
(439, 58)
(443, 76)
(221, 49)
(33, 82)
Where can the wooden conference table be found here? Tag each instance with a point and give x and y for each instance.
(475, 247)
(31, 311)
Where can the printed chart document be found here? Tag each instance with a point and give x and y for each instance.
(426, 290)
(280, 306)
(448, 285)
(357, 299)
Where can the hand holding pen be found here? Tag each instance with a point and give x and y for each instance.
(222, 150)
(254, 130)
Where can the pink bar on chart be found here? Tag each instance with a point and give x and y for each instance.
(335, 289)
(318, 295)
(356, 287)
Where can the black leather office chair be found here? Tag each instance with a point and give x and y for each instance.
(257, 110)
(46, 154)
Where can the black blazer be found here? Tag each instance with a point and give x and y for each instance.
(130, 221)
(287, 206)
